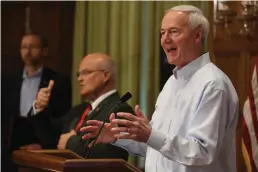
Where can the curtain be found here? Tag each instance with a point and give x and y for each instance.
(129, 32)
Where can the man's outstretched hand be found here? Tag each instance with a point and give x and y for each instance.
(106, 135)
(132, 127)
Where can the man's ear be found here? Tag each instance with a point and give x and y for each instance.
(107, 76)
(199, 35)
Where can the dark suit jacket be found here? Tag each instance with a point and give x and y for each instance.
(33, 129)
(77, 145)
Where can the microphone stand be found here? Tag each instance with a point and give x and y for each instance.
(104, 122)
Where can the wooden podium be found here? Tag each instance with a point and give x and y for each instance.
(66, 161)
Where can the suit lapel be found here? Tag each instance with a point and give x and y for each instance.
(109, 101)
(45, 78)
(93, 113)
(17, 94)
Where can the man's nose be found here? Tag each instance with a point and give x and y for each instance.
(166, 38)
(79, 78)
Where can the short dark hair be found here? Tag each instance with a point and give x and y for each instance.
(43, 40)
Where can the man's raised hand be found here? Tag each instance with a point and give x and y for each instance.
(43, 96)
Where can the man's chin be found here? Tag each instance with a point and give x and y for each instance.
(83, 94)
(86, 96)
(172, 59)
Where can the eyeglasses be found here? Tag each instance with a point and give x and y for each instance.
(30, 47)
(85, 72)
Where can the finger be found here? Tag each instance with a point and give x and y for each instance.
(123, 122)
(43, 104)
(139, 112)
(44, 90)
(40, 105)
(91, 143)
(43, 99)
(73, 131)
(61, 137)
(89, 136)
(31, 147)
(120, 129)
(125, 130)
(125, 136)
(23, 147)
(127, 116)
(45, 94)
(111, 117)
(50, 85)
(59, 146)
(94, 123)
(89, 129)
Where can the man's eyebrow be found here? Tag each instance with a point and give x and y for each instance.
(162, 29)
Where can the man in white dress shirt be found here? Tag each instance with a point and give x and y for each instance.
(193, 126)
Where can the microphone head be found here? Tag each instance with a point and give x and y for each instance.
(125, 97)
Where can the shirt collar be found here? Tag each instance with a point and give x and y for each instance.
(101, 98)
(37, 73)
(187, 71)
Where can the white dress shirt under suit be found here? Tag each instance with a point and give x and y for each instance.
(194, 123)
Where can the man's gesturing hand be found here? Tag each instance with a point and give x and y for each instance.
(132, 127)
(64, 138)
(106, 135)
(43, 96)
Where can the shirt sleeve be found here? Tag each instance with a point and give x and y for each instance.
(133, 147)
(204, 135)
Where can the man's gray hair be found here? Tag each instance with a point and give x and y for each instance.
(196, 18)
(110, 64)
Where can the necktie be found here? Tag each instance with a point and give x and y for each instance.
(84, 115)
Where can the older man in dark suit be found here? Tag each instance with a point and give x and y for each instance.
(97, 80)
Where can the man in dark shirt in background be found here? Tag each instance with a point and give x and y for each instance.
(21, 129)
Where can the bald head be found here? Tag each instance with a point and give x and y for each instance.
(100, 61)
(97, 75)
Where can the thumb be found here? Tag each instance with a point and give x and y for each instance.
(111, 117)
(91, 143)
(50, 85)
(23, 147)
(138, 112)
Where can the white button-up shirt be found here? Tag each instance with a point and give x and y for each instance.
(194, 123)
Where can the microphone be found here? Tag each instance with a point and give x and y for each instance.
(123, 99)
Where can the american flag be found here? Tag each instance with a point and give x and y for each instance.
(250, 125)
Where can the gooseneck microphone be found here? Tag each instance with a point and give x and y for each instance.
(123, 99)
